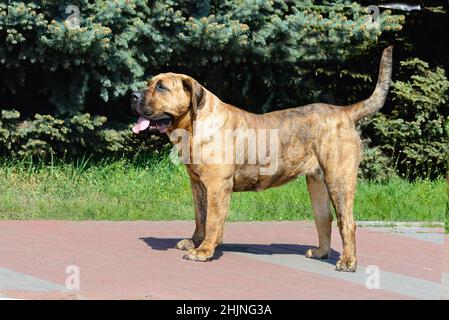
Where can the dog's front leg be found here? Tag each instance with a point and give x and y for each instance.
(218, 196)
(200, 202)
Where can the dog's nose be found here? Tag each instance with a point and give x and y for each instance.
(136, 95)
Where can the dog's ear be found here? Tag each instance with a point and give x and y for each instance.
(196, 91)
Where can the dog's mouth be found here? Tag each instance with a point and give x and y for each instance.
(160, 123)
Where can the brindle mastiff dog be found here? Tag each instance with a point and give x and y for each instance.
(318, 140)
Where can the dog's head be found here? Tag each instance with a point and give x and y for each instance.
(167, 98)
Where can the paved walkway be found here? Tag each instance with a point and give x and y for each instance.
(260, 260)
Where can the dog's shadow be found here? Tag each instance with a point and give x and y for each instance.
(258, 249)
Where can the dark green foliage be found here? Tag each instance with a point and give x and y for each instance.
(376, 166)
(260, 55)
(80, 134)
(413, 133)
(269, 52)
(446, 224)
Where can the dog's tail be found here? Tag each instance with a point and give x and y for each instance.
(371, 105)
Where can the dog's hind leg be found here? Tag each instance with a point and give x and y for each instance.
(319, 197)
(199, 201)
(341, 182)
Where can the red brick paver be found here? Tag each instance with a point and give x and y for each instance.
(260, 260)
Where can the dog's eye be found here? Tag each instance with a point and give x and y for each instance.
(160, 87)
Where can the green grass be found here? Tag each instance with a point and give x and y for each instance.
(446, 221)
(159, 190)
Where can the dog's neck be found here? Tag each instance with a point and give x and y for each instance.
(210, 105)
(183, 122)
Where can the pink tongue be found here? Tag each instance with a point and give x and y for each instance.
(141, 125)
(162, 128)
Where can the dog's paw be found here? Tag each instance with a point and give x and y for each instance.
(198, 255)
(317, 253)
(185, 244)
(346, 265)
